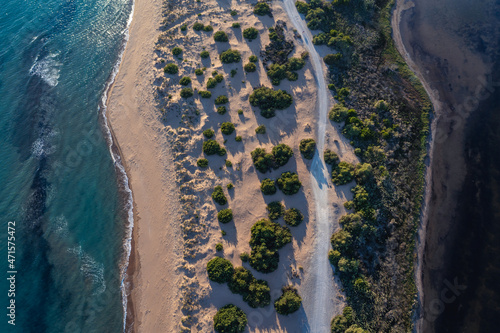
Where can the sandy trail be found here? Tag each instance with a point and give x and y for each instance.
(319, 305)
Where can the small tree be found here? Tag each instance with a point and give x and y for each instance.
(205, 93)
(307, 148)
(268, 186)
(275, 210)
(176, 51)
(208, 133)
(261, 9)
(225, 215)
(220, 270)
(186, 92)
(230, 319)
(171, 69)
(250, 33)
(221, 36)
(330, 157)
(202, 163)
(185, 81)
(261, 129)
(289, 302)
(289, 183)
(227, 128)
(219, 196)
(230, 56)
(293, 217)
(222, 99)
(198, 26)
(253, 58)
(204, 54)
(211, 147)
(236, 25)
(282, 154)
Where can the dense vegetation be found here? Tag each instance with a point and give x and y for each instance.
(230, 319)
(269, 100)
(227, 128)
(250, 33)
(255, 292)
(230, 56)
(220, 270)
(268, 187)
(289, 183)
(262, 8)
(293, 217)
(264, 161)
(383, 111)
(289, 301)
(307, 148)
(275, 210)
(266, 239)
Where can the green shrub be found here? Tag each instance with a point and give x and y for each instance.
(240, 111)
(205, 93)
(225, 215)
(202, 163)
(268, 100)
(219, 196)
(221, 110)
(227, 128)
(253, 58)
(208, 133)
(343, 173)
(307, 148)
(198, 71)
(381, 105)
(171, 69)
(230, 186)
(238, 138)
(250, 67)
(266, 238)
(233, 72)
(295, 64)
(184, 27)
(236, 25)
(330, 157)
(186, 92)
(204, 54)
(230, 56)
(293, 217)
(218, 78)
(185, 81)
(229, 164)
(220, 36)
(244, 256)
(220, 270)
(261, 129)
(289, 183)
(262, 160)
(363, 173)
(276, 73)
(263, 259)
(233, 13)
(176, 51)
(331, 87)
(282, 154)
(222, 152)
(261, 9)
(275, 210)
(292, 76)
(302, 7)
(332, 59)
(230, 319)
(341, 323)
(250, 33)
(211, 147)
(208, 28)
(255, 292)
(289, 301)
(222, 99)
(211, 83)
(219, 247)
(338, 113)
(198, 26)
(268, 186)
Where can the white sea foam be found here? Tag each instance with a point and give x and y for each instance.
(47, 68)
(91, 270)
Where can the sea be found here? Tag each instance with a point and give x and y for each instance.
(65, 204)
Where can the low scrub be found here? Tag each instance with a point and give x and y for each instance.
(218, 196)
(268, 100)
(289, 301)
(225, 215)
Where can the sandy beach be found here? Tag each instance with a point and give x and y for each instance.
(153, 278)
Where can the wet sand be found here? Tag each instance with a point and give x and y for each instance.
(452, 45)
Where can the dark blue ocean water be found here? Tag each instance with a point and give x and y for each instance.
(58, 181)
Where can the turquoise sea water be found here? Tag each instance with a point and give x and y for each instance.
(59, 182)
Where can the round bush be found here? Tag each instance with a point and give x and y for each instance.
(202, 163)
(221, 110)
(293, 217)
(185, 81)
(186, 92)
(225, 215)
(176, 51)
(236, 25)
(198, 71)
(222, 99)
(261, 129)
(289, 183)
(330, 157)
(198, 26)
(289, 302)
(244, 256)
(230, 319)
(220, 270)
(307, 148)
(211, 83)
(230, 56)
(238, 138)
(205, 93)
(268, 100)
(250, 33)
(282, 154)
(227, 128)
(208, 133)
(219, 196)
(220, 36)
(219, 247)
(268, 186)
(204, 54)
(295, 64)
(211, 147)
(262, 8)
(218, 78)
(275, 210)
(343, 173)
(250, 67)
(208, 28)
(171, 69)
(332, 59)
(253, 58)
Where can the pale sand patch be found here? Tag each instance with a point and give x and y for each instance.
(148, 162)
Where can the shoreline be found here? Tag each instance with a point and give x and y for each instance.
(398, 9)
(130, 96)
